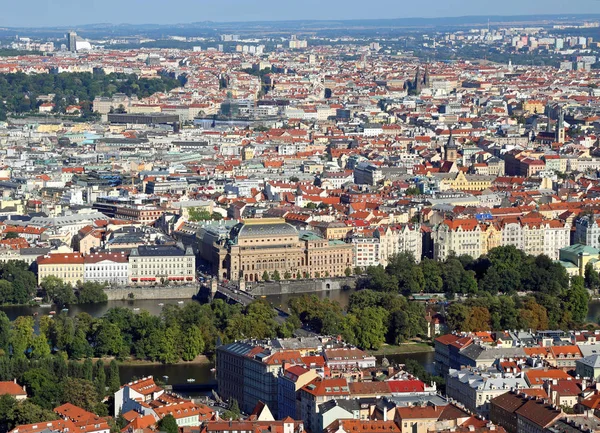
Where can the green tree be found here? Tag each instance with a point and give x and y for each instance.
(39, 347)
(265, 276)
(432, 276)
(58, 291)
(91, 293)
(576, 300)
(100, 379)
(42, 388)
(108, 339)
(21, 335)
(592, 279)
(168, 424)
(80, 392)
(233, 412)
(276, 275)
(348, 272)
(27, 412)
(195, 214)
(192, 344)
(88, 369)
(367, 327)
(457, 316)
(114, 383)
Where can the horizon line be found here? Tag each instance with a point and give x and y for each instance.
(316, 20)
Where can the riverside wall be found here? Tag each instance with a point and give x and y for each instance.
(300, 286)
(152, 292)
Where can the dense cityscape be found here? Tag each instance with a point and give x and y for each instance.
(301, 226)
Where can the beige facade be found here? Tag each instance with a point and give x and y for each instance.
(69, 267)
(256, 248)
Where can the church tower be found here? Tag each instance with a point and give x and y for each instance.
(450, 150)
(560, 127)
(418, 83)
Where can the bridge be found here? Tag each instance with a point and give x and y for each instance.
(233, 294)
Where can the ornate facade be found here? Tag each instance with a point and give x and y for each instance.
(270, 245)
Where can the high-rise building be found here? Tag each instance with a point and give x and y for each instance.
(72, 41)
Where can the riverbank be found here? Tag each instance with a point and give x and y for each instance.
(132, 362)
(402, 349)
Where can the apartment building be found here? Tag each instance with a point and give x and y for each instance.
(152, 264)
(69, 267)
(475, 390)
(106, 268)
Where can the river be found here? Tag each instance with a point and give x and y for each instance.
(594, 311)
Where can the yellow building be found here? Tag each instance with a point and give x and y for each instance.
(534, 107)
(576, 257)
(69, 267)
(463, 182)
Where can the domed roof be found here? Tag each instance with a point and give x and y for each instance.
(265, 228)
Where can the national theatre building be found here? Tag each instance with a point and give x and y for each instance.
(249, 249)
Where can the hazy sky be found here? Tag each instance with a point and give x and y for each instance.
(70, 12)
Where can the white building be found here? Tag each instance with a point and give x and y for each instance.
(143, 390)
(461, 236)
(366, 252)
(394, 240)
(475, 390)
(109, 268)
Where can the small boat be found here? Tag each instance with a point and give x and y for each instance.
(64, 310)
(180, 302)
(191, 380)
(136, 309)
(52, 313)
(161, 305)
(45, 305)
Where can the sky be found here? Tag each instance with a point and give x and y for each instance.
(42, 13)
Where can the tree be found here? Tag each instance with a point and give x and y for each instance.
(287, 275)
(21, 335)
(88, 369)
(367, 327)
(114, 383)
(265, 276)
(233, 413)
(457, 316)
(478, 320)
(192, 343)
(80, 392)
(11, 235)
(168, 424)
(276, 275)
(57, 291)
(108, 339)
(27, 412)
(42, 388)
(592, 279)
(100, 379)
(576, 300)
(91, 293)
(39, 347)
(348, 272)
(196, 214)
(7, 407)
(432, 276)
